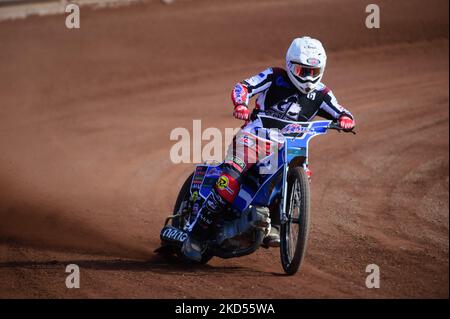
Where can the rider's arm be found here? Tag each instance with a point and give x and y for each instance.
(331, 109)
(245, 90)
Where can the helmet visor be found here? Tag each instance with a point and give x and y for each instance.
(304, 71)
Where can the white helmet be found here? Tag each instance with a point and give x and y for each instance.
(305, 63)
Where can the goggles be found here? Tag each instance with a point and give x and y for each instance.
(303, 71)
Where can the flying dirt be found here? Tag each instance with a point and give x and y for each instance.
(85, 170)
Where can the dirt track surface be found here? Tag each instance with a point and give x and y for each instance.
(85, 174)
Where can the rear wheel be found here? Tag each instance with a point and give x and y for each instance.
(294, 233)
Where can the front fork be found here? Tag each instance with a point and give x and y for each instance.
(283, 203)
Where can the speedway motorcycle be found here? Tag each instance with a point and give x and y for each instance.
(242, 227)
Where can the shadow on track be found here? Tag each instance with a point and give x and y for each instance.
(156, 264)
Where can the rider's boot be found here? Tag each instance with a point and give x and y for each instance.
(194, 246)
(273, 238)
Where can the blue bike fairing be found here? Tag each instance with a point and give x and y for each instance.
(205, 177)
(297, 143)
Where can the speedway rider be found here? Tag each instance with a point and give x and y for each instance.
(294, 94)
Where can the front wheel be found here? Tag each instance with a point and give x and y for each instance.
(183, 219)
(182, 201)
(294, 232)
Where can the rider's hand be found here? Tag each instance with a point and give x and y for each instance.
(346, 122)
(241, 112)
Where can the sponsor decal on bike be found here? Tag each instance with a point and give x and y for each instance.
(200, 170)
(205, 219)
(199, 176)
(195, 187)
(214, 172)
(297, 151)
(222, 182)
(195, 209)
(194, 196)
(236, 160)
(174, 234)
(295, 128)
(209, 181)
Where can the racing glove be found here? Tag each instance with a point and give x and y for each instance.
(346, 122)
(241, 112)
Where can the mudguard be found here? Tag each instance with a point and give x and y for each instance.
(173, 235)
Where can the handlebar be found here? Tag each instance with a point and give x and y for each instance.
(336, 127)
